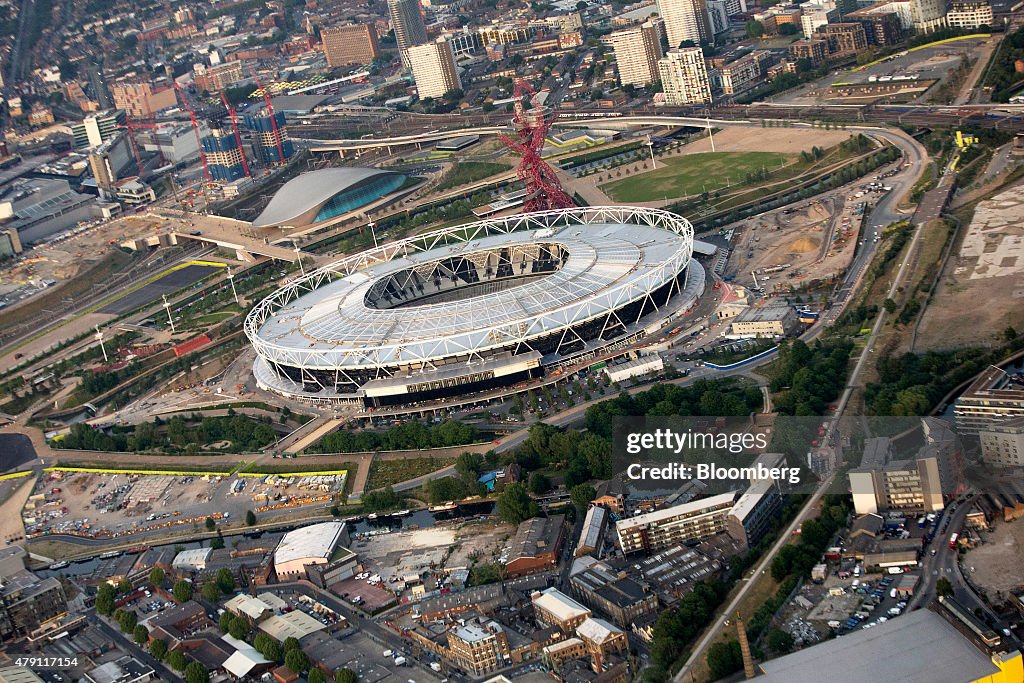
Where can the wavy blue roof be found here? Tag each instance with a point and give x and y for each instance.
(299, 200)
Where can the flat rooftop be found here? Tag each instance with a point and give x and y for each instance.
(919, 647)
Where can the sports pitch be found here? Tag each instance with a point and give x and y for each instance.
(692, 174)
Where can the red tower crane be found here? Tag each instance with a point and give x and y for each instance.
(135, 147)
(273, 121)
(543, 190)
(195, 127)
(238, 137)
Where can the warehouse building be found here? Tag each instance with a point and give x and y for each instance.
(622, 598)
(592, 533)
(767, 321)
(552, 607)
(310, 545)
(536, 545)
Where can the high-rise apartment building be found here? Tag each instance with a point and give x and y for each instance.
(991, 398)
(685, 20)
(223, 155)
(141, 100)
(217, 77)
(969, 15)
(269, 137)
(350, 44)
(407, 22)
(433, 68)
(96, 129)
(637, 51)
(684, 76)
(928, 15)
(1002, 444)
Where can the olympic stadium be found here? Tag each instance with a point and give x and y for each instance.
(475, 307)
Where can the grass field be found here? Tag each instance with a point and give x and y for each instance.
(466, 172)
(692, 174)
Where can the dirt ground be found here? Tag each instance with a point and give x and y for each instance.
(988, 267)
(450, 547)
(996, 563)
(117, 504)
(757, 139)
(14, 493)
(813, 242)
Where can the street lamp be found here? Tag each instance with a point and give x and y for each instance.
(707, 118)
(170, 318)
(231, 279)
(373, 233)
(99, 338)
(650, 146)
(298, 256)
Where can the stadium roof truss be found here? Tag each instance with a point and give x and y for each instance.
(352, 335)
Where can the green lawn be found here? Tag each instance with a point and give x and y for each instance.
(466, 172)
(692, 174)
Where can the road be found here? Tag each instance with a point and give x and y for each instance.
(712, 633)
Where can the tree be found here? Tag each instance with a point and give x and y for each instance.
(296, 660)
(182, 591)
(210, 591)
(515, 505)
(225, 580)
(238, 628)
(755, 29)
(105, 599)
(196, 673)
(224, 622)
(788, 30)
(779, 641)
(124, 586)
(316, 676)
(889, 305)
(176, 660)
(345, 676)
(211, 524)
(158, 649)
(157, 576)
(724, 659)
(250, 518)
(943, 588)
(539, 483)
(291, 643)
(581, 495)
(140, 634)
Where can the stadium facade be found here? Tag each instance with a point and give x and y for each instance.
(476, 307)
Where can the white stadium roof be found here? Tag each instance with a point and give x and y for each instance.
(615, 255)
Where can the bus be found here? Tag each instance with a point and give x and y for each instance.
(952, 541)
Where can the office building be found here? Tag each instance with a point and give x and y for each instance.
(108, 160)
(94, 130)
(927, 15)
(223, 155)
(637, 51)
(29, 606)
(10, 243)
(884, 482)
(218, 77)
(755, 512)
(407, 22)
(969, 15)
(612, 593)
(845, 38)
(994, 396)
(684, 77)
(142, 100)
(814, 16)
(479, 646)
(685, 20)
(350, 44)
(270, 141)
(718, 16)
(551, 607)
(766, 321)
(175, 142)
(133, 191)
(1002, 444)
(675, 525)
(433, 68)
